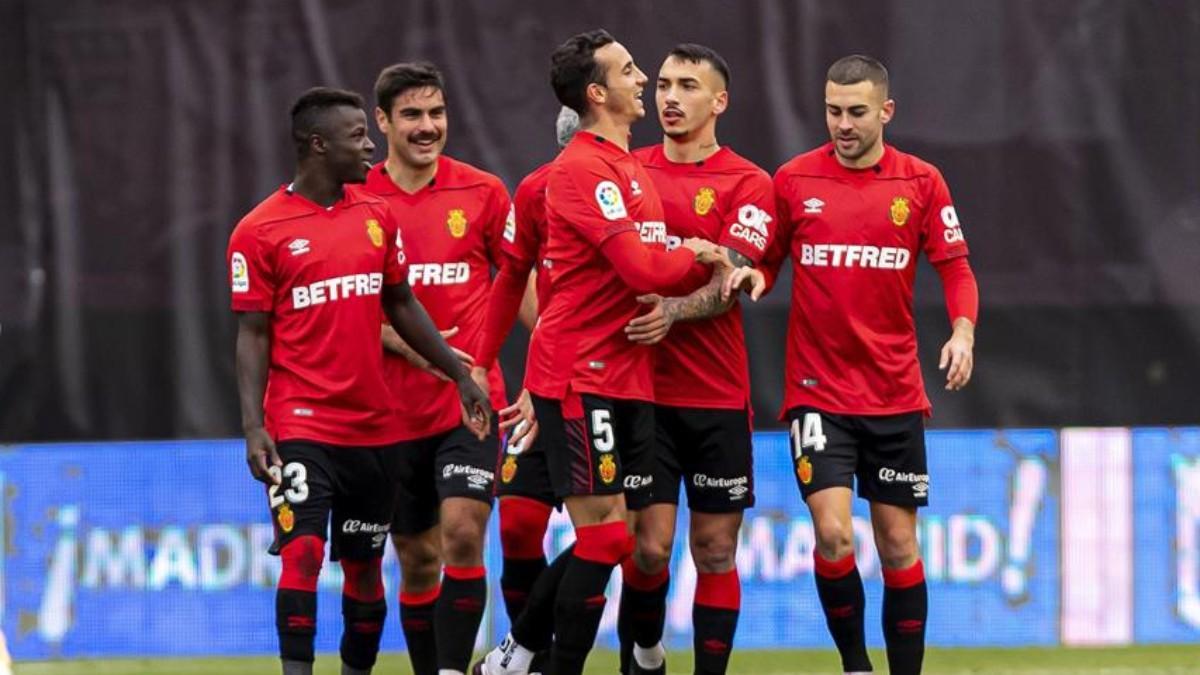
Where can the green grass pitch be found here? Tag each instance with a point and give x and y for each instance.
(1157, 660)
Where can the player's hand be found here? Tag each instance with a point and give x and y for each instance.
(706, 252)
(651, 327)
(476, 410)
(261, 455)
(958, 354)
(520, 419)
(746, 279)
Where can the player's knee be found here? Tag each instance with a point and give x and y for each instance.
(523, 527)
(714, 552)
(462, 542)
(362, 580)
(302, 558)
(835, 540)
(897, 547)
(420, 563)
(653, 553)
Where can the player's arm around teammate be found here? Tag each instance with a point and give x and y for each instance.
(703, 436)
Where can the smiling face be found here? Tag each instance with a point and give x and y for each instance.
(624, 83)
(346, 145)
(415, 126)
(855, 114)
(689, 95)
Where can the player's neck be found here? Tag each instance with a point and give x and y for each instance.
(317, 187)
(612, 131)
(407, 177)
(692, 147)
(867, 160)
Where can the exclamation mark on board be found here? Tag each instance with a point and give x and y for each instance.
(54, 616)
(1029, 485)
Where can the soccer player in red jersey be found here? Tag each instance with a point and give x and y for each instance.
(591, 387)
(453, 217)
(524, 490)
(853, 215)
(308, 268)
(701, 383)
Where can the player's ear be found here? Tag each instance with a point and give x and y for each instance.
(722, 102)
(888, 110)
(316, 144)
(381, 120)
(596, 93)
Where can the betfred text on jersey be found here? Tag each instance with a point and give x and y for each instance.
(337, 288)
(854, 255)
(439, 274)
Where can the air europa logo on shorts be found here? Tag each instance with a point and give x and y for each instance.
(336, 288)
(477, 478)
(359, 527)
(887, 475)
(636, 482)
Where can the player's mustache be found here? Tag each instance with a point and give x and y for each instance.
(421, 138)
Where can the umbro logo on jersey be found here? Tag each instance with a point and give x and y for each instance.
(298, 246)
(813, 205)
(634, 188)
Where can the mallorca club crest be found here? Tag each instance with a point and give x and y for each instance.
(456, 222)
(509, 470)
(375, 232)
(608, 468)
(703, 203)
(899, 211)
(287, 519)
(804, 470)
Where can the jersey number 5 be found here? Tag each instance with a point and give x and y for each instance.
(602, 431)
(297, 477)
(807, 433)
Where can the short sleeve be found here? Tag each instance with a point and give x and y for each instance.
(395, 265)
(750, 218)
(941, 233)
(587, 195)
(251, 278)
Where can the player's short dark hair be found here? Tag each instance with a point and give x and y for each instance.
(401, 77)
(694, 53)
(858, 68)
(309, 112)
(573, 67)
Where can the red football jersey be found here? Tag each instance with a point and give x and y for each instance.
(595, 190)
(525, 232)
(854, 236)
(452, 231)
(319, 273)
(728, 200)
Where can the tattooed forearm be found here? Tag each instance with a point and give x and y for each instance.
(705, 302)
